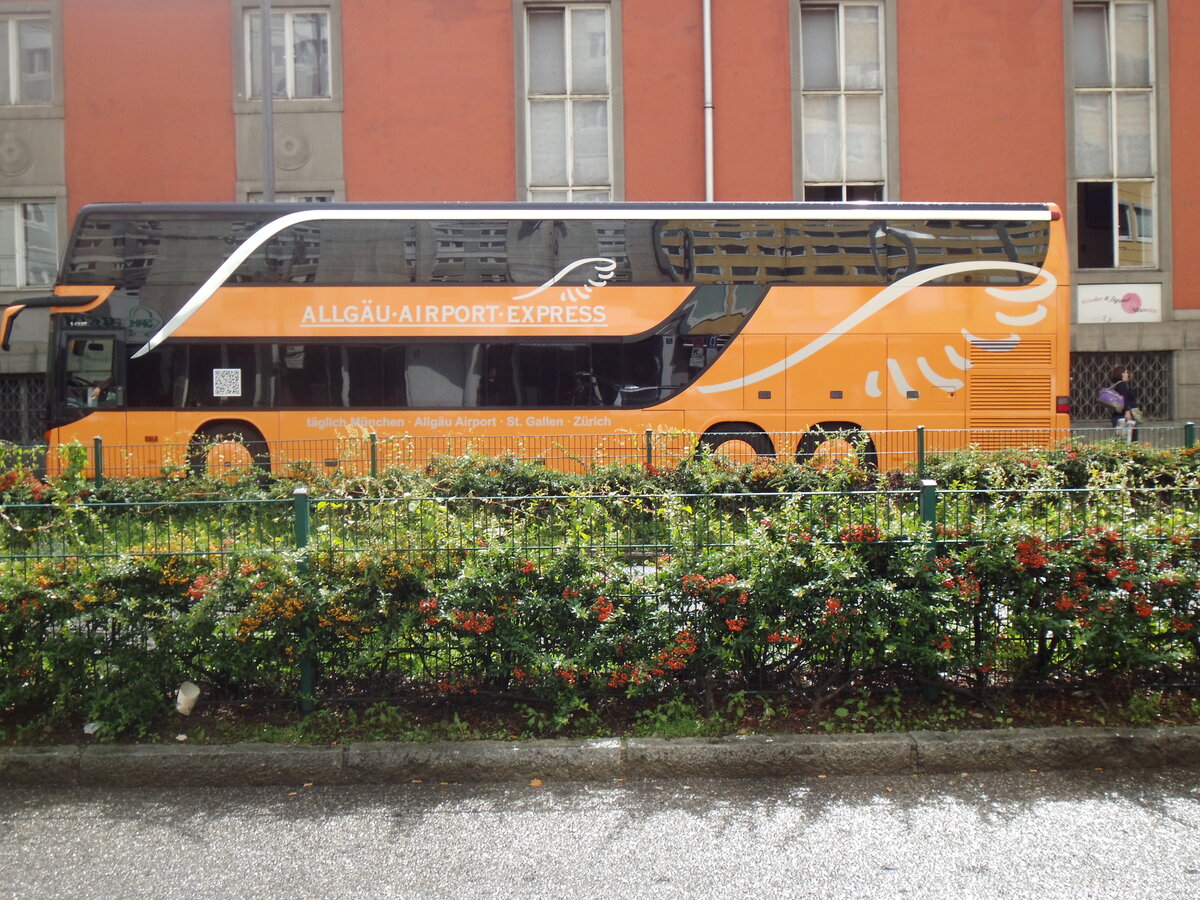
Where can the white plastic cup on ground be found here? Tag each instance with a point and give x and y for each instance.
(186, 699)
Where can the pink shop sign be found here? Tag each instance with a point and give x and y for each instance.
(1101, 303)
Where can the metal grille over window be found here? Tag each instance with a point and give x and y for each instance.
(22, 408)
(1150, 375)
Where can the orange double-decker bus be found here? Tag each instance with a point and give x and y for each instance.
(765, 326)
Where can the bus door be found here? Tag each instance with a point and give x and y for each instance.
(770, 394)
(89, 378)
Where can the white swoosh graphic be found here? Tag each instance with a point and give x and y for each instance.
(605, 268)
(1017, 321)
(957, 359)
(256, 240)
(949, 385)
(884, 298)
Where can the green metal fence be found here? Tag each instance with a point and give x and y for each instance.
(369, 453)
(270, 596)
(634, 526)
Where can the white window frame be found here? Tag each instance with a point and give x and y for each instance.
(1113, 91)
(15, 209)
(841, 93)
(570, 188)
(293, 196)
(251, 51)
(12, 36)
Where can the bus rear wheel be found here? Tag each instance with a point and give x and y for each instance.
(837, 443)
(228, 450)
(737, 443)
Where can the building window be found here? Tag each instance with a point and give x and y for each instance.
(1114, 134)
(28, 243)
(842, 101)
(300, 67)
(294, 196)
(27, 64)
(568, 115)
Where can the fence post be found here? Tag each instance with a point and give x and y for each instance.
(98, 460)
(928, 509)
(649, 448)
(1189, 434)
(920, 451)
(374, 455)
(303, 515)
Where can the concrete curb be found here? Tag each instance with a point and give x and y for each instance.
(606, 759)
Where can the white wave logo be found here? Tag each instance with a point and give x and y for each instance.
(1032, 294)
(603, 270)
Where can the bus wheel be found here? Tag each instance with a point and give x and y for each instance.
(228, 450)
(737, 443)
(837, 443)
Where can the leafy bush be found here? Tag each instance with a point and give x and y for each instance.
(1077, 565)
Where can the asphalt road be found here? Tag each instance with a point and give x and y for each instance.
(1127, 833)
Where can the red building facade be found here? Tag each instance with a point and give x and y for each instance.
(1080, 102)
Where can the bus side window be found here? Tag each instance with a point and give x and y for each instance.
(148, 379)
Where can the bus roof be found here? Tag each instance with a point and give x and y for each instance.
(854, 210)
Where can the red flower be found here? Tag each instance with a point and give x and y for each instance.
(860, 534)
(1030, 555)
(200, 587)
(473, 622)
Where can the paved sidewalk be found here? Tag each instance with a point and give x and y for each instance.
(604, 759)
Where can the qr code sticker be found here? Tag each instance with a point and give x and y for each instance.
(227, 382)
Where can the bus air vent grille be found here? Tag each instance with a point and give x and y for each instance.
(1010, 355)
(1011, 390)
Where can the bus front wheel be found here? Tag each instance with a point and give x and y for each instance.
(737, 443)
(228, 449)
(834, 443)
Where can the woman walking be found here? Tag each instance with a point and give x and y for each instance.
(1125, 421)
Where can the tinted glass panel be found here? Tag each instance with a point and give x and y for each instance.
(639, 371)
(160, 262)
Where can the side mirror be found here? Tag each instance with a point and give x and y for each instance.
(7, 318)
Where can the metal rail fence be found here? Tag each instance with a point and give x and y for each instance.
(631, 526)
(368, 453)
(473, 553)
